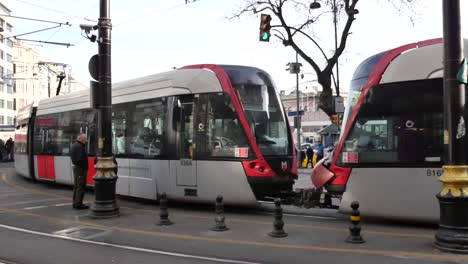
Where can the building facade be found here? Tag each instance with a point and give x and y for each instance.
(313, 119)
(7, 94)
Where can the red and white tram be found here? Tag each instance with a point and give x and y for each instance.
(390, 152)
(192, 133)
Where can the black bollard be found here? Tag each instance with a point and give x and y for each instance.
(354, 227)
(278, 223)
(219, 219)
(163, 213)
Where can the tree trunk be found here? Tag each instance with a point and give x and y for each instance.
(326, 97)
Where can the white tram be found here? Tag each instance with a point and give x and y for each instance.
(192, 133)
(390, 152)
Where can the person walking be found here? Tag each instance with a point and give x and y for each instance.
(2, 151)
(310, 154)
(79, 158)
(9, 149)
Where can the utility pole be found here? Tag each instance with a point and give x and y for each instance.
(295, 68)
(297, 104)
(452, 234)
(336, 48)
(105, 205)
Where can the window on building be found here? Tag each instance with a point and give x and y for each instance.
(9, 27)
(1, 54)
(9, 43)
(2, 22)
(9, 57)
(20, 103)
(10, 105)
(2, 103)
(19, 87)
(1, 119)
(1, 38)
(10, 120)
(10, 89)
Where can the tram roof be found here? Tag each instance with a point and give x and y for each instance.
(422, 62)
(181, 81)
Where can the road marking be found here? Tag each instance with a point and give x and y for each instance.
(62, 204)
(321, 227)
(35, 207)
(159, 252)
(311, 216)
(392, 253)
(30, 201)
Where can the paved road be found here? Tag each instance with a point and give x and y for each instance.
(37, 225)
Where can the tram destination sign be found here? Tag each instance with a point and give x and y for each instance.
(7, 128)
(294, 113)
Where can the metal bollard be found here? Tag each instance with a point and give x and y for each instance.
(219, 219)
(278, 223)
(163, 213)
(354, 227)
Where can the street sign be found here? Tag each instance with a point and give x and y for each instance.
(338, 104)
(294, 113)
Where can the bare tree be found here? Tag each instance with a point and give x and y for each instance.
(289, 34)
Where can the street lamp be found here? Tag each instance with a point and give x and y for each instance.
(316, 5)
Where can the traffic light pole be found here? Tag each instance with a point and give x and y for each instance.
(452, 234)
(298, 115)
(105, 205)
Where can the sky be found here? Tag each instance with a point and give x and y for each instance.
(152, 36)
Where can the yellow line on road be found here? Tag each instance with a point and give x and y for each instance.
(315, 227)
(394, 253)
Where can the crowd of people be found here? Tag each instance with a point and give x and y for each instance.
(312, 156)
(6, 150)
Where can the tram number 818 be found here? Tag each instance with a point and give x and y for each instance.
(437, 173)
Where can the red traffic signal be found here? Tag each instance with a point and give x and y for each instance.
(265, 27)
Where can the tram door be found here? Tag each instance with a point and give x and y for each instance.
(187, 167)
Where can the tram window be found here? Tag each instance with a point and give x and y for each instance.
(119, 125)
(89, 125)
(393, 128)
(146, 129)
(20, 139)
(70, 124)
(224, 135)
(45, 135)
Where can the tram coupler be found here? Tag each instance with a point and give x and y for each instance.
(311, 198)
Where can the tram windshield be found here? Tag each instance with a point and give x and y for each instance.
(398, 124)
(262, 109)
(358, 82)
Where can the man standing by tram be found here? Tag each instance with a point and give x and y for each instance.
(79, 158)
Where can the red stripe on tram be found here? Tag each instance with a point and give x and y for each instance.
(91, 171)
(50, 167)
(41, 167)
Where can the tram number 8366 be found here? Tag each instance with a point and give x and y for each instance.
(437, 173)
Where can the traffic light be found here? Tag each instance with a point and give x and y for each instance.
(265, 27)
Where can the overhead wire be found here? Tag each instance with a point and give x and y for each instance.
(53, 10)
(139, 17)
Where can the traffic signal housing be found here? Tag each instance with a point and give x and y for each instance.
(265, 27)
